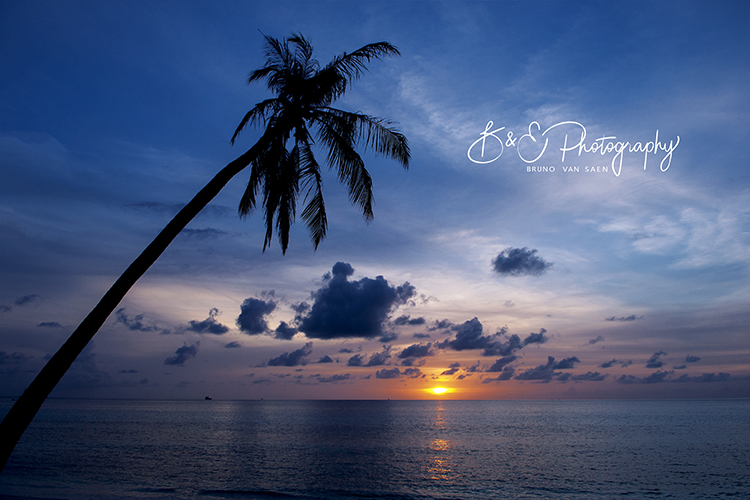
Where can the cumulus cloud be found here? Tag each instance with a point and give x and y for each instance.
(417, 351)
(208, 325)
(380, 358)
(134, 323)
(347, 309)
(546, 372)
(233, 345)
(506, 374)
(599, 338)
(183, 354)
(470, 335)
(519, 262)
(49, 324)
(654, 361)
(440, 325)
(408, 321)
(333, 378)
(284, 331)
(294, 358)
(500, 364)
(325, 359)
(252, 315)
(387, 373)
(356, 360)
(692, 359)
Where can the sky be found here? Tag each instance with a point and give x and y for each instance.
(575, 221)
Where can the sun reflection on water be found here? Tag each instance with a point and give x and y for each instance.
(441, 464)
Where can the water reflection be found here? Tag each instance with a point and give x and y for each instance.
(441, 465)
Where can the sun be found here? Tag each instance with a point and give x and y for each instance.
(439, 390)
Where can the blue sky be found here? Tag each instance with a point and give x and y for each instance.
(493, 280)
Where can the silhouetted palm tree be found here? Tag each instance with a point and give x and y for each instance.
(282, 167)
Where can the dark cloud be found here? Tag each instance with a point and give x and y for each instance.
(500, 364)
(536, 338)
(589, 376)
(679, 367)
(128, 371)
(252, 315)
(49, 324)
(519, 262)
(26, 299)
(509, 303)
(469, 335)
(4, 308)
(451, 371)
(388, 337)
(388, 373)
(413, 373)
(294, 358)
(345, 351)
(594, 341)
(325, 359)
(183, 354)
(334, 378)
(506, 374)
(380, 358)
(134, 323)
(608, 364)
(546, 372)
(692, 359)
(284, 331)
(346, 309)
(208, 325)
(654, 361)
(421, 336)
(233, 345)
(356, 360)
(441, 325)
(632, 317)
(706, 377)
(417, 351)
(654, 378)
(407, 321)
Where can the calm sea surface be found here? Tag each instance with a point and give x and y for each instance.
(80, 449)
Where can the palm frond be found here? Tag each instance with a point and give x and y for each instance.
(353, 65)
(260, 111)
(314, 213)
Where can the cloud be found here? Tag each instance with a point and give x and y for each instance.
(4, 308)
(421, 336)
(407, 321)
(127, 371)
(469, 335)
(506, 374)
(599, 338)
(500, 364)
(654, 361)
(451, 371)
(519, 262)
(325, 359)
(654, 378)
(440, 325)
(589, 377)
(252, 312)
(546, 372)
(356, 360)
(134, 323)
(49, 324)
(387, 373)
(706, 377)
(417, 351)
(347, 309)
(334, 378)
(413, 373)
(294, 358)
(536, 338)
(692, 359)
(632, 317)
(208, 325)
(233, 345)
(380, 358)
(284, 331)
(183, 354)
(26, 299)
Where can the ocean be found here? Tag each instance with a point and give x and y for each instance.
(390, 450)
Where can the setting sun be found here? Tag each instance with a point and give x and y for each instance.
(439, 390)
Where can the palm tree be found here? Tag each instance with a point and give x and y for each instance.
(283, 167)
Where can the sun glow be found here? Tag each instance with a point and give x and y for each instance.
(438, 390)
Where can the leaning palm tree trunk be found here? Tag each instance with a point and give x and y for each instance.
(23, 411)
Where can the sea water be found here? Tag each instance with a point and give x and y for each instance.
(85, 449)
